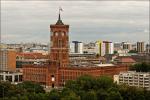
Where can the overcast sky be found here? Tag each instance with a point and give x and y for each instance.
(28, 21)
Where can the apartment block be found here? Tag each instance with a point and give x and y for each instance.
(138, 79)
(7, 60)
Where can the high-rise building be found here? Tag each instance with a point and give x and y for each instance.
(134, 46)
(104, 47)
(7, 60)
(117, 46)
(148, 48)
(77, 47)
(127, 45)
(140, 47)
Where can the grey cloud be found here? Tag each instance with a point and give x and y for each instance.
(95, 19)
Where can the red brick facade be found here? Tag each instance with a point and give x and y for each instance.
(58, 71)
(59, 44)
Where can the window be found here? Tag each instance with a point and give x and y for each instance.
(56, 34)
(63, 33)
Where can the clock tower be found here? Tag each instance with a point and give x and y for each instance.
(59, 43)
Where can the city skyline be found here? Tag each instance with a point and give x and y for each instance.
(89, 21)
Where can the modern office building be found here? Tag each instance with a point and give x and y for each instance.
(127, 45)
(138, 79)
(118, 46)
(140, 47)
(7, 60)
(104, 47)
(147, 48)
(89, 48)
(77, 47)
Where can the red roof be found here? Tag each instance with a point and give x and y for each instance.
(32, 55)
(126, 60)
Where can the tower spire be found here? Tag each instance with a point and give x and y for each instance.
(59, 21)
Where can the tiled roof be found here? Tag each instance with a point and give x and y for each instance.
(126, 60)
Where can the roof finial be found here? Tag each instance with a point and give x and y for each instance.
(60, 9)
(59, 17)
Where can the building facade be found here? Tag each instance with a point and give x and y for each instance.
(138, 79)
(104, 47)
(58, 70)
(127, 46)
(77, 47)
(7, 60)
(148, 48)
(140, 47)
(13, 77)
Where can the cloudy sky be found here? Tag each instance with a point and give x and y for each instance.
(28, 21)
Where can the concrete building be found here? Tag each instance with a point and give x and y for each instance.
(77, 47)
(140, 47)
(134, 46)
(138, 79)
(89, 48)
(13, 77)
(117, 46)
(123, 52)
(127, 45)
(104, 47)
(148, 48)
(7, 60)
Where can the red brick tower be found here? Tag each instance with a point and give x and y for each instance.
(59, 48)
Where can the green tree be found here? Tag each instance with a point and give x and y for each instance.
(31, 87)
(141, 67)
(72, 84)
(132, 51)
(91, 95)
(68, 94)
(115, 52)
(147, 94)
(114, 96)
(104, 82)
(86, 82)
(102, 94)
(54, 95)
(8, 90)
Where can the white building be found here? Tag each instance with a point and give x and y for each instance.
(138, 79)
(123, 52)
(104, 47)
(127, 45)
(76, 47)
(14, 78)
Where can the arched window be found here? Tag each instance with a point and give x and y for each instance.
(56, 34)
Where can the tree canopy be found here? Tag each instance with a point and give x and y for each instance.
(84, 88)
(141, 67)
